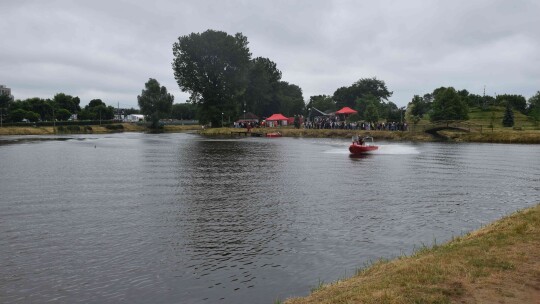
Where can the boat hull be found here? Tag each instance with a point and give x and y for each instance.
(361, 149)
(273, 134)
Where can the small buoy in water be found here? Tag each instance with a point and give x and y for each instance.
(94, 146)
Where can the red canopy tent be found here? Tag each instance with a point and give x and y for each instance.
(276, 117)
(346, 111)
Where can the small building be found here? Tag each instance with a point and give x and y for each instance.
(134, 118)
(6, 91)
(248, 118)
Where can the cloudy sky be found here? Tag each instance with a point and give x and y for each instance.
(109, 49)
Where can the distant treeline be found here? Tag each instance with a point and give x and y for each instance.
(61, 107)
(450, 104)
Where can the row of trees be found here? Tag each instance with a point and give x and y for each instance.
(450, 104)
(60, 107)
(222, 78)
(369, 96)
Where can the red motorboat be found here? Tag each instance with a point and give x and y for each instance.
(362, 146)
(273, 134)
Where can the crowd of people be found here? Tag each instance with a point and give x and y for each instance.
(335, 123)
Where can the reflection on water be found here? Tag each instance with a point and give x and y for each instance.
(175, 218)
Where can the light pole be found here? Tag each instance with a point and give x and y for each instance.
(222, 119)
(244, 110)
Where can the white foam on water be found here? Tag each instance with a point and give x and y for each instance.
(397, 149)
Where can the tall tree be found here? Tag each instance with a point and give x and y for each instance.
(448, 105)
(155, 102)
(262, 86)
(508, 118)
(534, 102)
(372, 113)
(533, 107)
(212, 66)
(348, 96)
(96, 110)
(68, 102)
(290, 99)
(517, 102)
(363, 102)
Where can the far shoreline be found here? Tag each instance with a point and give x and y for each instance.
(506, 136)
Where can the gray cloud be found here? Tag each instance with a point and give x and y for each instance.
(109, 49)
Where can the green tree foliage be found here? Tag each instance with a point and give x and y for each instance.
(479, 101)
(62, 114)
(213, 66)
(68, 102)
(18, 115)
(43, 108)
(390, 111)
(290, 99)
(534, 102)
(97, 110)
(348, 96)
(96, 103)
(448, 105)
(184, 111)
(533, 107)
(517, 102)
(418, 107)
(371, 113)
(508, 118)
(155, 102)
(362, 104)
(262, 87)
(59, 108)
(323, 103)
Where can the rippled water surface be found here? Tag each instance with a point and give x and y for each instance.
(178, 218)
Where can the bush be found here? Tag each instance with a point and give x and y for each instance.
(114, 127)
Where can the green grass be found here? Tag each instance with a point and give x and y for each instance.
(496, 114)
(485, 265)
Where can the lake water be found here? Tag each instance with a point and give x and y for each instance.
(179, 218)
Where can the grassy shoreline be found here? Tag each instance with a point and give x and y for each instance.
(93, 129)
(498, 135)
(499, 263)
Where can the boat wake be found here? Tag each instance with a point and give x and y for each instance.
(397, 149)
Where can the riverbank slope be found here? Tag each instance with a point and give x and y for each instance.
(93, 129)
(499, 263)
(496, 136)
(489, 136)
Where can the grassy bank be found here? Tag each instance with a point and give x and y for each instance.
(495, 136)
(322, 133)
(93, 129)
(499, 263)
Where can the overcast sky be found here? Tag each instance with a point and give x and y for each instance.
(109, 49)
